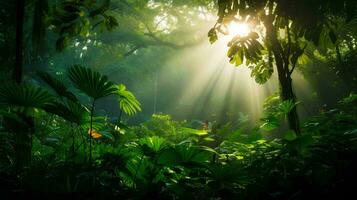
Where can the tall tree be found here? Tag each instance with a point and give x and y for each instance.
(20, 12)
(288, 28)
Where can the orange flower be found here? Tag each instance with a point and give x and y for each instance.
(95, 134)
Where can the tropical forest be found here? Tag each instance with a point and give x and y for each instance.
(178, 99)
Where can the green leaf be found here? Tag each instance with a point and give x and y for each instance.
(247, 47)
(24, 96)
(193, 131)
(186, 155)
(90, 82)
(290, 135)
(111, 23)
(261, 72)
(286, 106)
(107, 135)
(303, 59)
(352, 98)
(212, 35)
(127, 101)
(99, 123)
(71, 111)
(238, 58)
(13, 116)
(152, 145)
(57, 85)
(268, 126)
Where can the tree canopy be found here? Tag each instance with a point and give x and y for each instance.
(178, 99)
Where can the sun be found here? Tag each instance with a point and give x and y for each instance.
(241, 29)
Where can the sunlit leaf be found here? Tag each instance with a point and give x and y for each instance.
(212, 35)
(286, 106)
(127, 101)
(194, 131)
(154, 143)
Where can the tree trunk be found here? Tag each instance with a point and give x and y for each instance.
(20, 11)
(287, 93)
(22, 139)
(23, 135)
(91, 131)
(284, 75)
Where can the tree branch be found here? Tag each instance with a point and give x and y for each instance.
(289, 43)
(131, 51)
(294, 64)
(159, 42)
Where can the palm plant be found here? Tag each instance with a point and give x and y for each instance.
(24, 96)
(127, 101)
(95, 86)
(68, 108)
(17, 102)
(21, 99)
(57, 86)
(187, 155)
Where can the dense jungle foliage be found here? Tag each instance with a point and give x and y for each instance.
(178, 99)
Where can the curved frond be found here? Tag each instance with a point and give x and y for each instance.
(90, 82)
(24, 96)
(152, 145)
(71, 111)
(99, 123)
(261, 72)
(185, 154)
(127, 101)
(57, 85)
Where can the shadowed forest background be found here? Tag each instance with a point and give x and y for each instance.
(178, 99)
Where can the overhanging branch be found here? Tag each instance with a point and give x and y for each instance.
(156, 41)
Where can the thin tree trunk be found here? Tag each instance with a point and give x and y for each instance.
(284, 75)
(338, 52)
(20, 12)
(90, 133)
(287, 93)
(23, 135)
(23, 141)
(73, 149)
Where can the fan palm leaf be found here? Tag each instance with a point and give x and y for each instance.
(150, 146)
(127, 101)
(60, 89)
(71, 111)
(90, 82)
(186, 155)
(27, 96)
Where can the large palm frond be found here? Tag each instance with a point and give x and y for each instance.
(60, 89)
(27, 96)
(127, 101)
(150, 146)
(90, 82)
(185, 154)
(71, 111)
